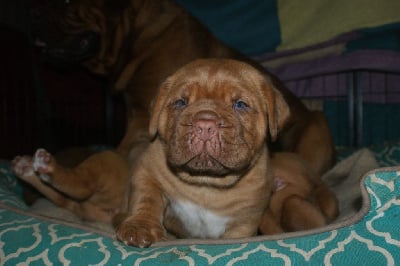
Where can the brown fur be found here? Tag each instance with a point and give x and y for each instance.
(208, 151)
(142, 43)
(300, 200)
(145, 41)
(94, 189)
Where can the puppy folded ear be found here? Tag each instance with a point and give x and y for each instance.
(278, 111)
(156, 121)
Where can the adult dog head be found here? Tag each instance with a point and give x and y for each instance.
(213, 116)
(82, 31)
(126, 40)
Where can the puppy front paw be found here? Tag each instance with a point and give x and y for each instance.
(22, 166)
(43, 164)
(139, 234)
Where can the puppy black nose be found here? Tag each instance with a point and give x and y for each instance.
(205, 124)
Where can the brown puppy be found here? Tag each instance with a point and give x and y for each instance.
(208, 164)
(299, 200)
(94, 190)
(141, 43)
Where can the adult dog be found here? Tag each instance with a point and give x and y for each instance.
(138, 43)
(208, 166)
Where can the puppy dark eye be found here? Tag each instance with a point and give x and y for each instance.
(240, 105)
(181, 103)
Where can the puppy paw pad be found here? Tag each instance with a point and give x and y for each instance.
(42, 164)
(138, 236)
(22, 166)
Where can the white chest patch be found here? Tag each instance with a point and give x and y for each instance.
(200, 222)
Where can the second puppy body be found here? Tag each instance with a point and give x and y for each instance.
(300, 200)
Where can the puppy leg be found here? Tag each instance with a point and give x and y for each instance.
(75, 184)
(327, 202)
(23, 168)
(143, 226)
(269, 224)
(299, 214)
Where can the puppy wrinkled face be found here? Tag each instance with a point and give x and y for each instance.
(213, 119)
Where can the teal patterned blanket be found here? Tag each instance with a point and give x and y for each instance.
(370, 237)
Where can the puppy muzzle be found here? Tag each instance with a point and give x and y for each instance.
(199, 144)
